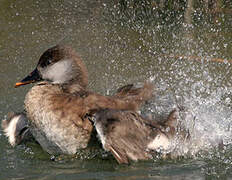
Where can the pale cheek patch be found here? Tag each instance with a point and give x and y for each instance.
(10, 131)
(59, 72)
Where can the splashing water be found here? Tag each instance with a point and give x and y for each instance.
(212, 120)
(208, 119)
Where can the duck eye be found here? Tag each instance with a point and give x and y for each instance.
(49, 61)
(45, 60)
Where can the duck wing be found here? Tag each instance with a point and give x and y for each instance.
(119, 155)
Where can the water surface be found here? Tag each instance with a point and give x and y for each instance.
(121, 47)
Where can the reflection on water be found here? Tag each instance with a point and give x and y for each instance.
(120, 46)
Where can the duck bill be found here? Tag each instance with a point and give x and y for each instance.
(34, 76)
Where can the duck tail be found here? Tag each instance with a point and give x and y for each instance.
(15, 128)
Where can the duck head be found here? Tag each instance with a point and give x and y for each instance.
(59, 65)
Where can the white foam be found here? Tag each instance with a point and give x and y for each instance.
(207, 116)
(161, 141)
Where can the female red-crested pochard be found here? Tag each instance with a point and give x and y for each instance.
(58, 104)
(129, 136)
(16, 129)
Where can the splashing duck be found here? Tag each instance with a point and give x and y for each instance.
(58, 104)
(129, 136)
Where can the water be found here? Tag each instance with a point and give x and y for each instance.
(119, 48)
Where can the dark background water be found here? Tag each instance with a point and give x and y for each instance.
(124, 42)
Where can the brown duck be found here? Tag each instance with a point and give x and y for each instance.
(57, 105)
(128, 136)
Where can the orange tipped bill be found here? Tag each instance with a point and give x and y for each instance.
(22, 83)
(34, 76)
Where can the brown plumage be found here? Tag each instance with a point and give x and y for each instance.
(58, 104)
(128, 136)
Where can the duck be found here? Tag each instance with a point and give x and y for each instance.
(16, 129)
(130, 137)
(58, 105)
